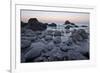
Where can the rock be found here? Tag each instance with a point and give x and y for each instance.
(68, 27)
(67, 22)
(83, 33)
(52, 25)
(83, 47)
(76, 26)
(74, 55)
(25, 43)
(57, 33)
(28, 32)
(53, 55)
(87, 55)
(49, 47)
(57, 40)
(48, 38)
(84, 26)
(68, 42)
(79, 35)
(48, 32)
(72, 24)
(35, 51)
(23, 24)
(29, 38)
(40, 59)
(66, 48)
(35, 25)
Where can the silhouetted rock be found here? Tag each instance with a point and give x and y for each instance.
(67, 22)
(72, 23)
(23, 24)
(68, 27)
(84, 26)
(52, 25)
(35, 25)
(76, 26)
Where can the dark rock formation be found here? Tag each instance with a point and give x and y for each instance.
(79, 35)
(74, 55)
(35, 25)
(72, 23)
(57, 33)
(48, 38)
(68, 27)
(57, 40)
(23, 24)
(52, 25)
(84, 26)
(67, 22)
(35, 51)
(25, 43)
(38, 45)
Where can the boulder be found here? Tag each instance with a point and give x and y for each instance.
(35, 51)
(23, 24)
(67, 22)
(25, 43)
(57, 33)
(48, 38)
(49, 47)
(84, 26)
(79, 35)
(52, 25)
(48, 32)
(57, 40)
(35, 25)
(74, 55)
(68, 27)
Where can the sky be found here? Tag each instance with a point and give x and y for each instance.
(55, 17)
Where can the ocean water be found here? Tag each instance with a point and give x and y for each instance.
(61, 27)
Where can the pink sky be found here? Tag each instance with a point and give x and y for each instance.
(56, 17)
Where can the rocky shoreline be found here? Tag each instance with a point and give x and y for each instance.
(41, 45)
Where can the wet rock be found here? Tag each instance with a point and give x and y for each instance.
(25, 44)
(48, 38)
(29, 38)
(57, 33)
(48, 32)
(35, 51)
(79, 35)
(84, 26)
(68, 27)
(57, 40)
(49, 47)
(35, 25)
(72, 24)
(40, 59)
(23, 24)
(83, 47)
(67, 22)
(28, 31)
(83, 33)
(74, 55)
(52, 25)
